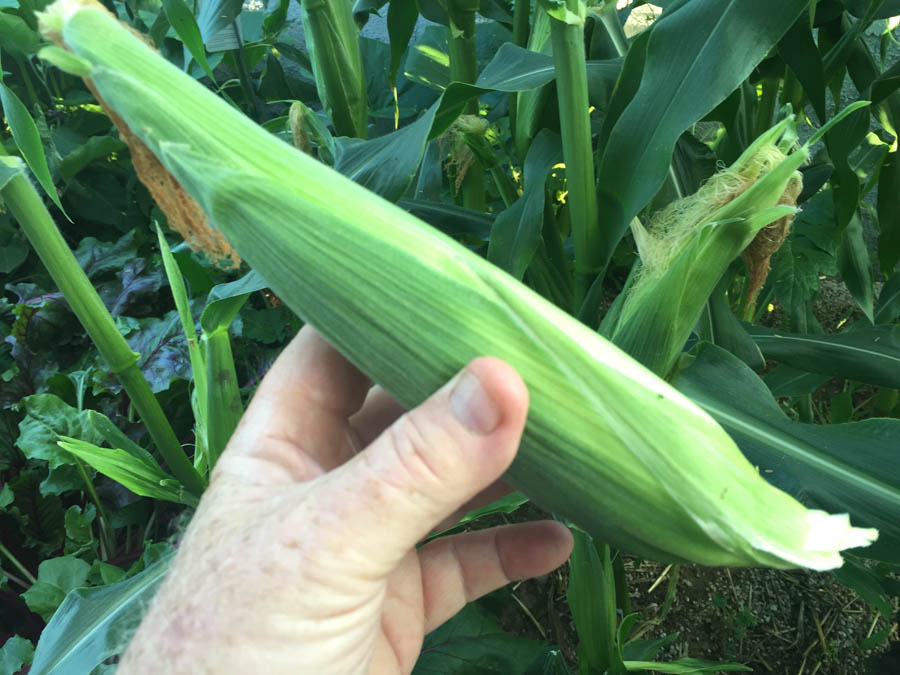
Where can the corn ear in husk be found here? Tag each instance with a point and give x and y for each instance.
(687, 246)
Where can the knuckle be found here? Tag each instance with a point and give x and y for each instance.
(414, 444)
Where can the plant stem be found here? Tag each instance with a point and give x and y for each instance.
(195, 352)
(766, 108)
(105, 526)
(505, 185)
(806, 409)
(224, 409)
(29, 210)
(19, 566)
(464, 68)
(521, 25)
(521, 22)
(333, 41)
(253, 102)
(792, 92)
(26, 78)
(575, 124)
(12, 577)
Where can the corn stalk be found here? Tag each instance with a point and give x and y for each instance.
(333, 44)
(29, 210)
(567, 35)
(464, 68)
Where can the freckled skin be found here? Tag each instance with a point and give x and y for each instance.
(302, 555)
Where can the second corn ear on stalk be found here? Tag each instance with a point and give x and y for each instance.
(608, 444)
(687, 246)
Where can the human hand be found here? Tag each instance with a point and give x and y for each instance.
(302, 555)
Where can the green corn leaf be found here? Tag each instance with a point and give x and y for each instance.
(214, 15)
(719, 325)
(855, 266)
(28, 140)
(116, 438)
(786, 381)
(452, 220)
(687, 666)
(223, 399)
(889, 213)
(889, 300)
(592, 598)
(185, 25)
(142, 477)
(401, 21)
(517, 230)
(93, 624)
(801, 55)
(870, 354)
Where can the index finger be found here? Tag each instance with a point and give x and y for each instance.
(298, 416)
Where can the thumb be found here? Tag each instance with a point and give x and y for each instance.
(431, 461)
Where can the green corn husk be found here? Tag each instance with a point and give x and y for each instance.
(333, 44)
(608, 444)
(686, 248)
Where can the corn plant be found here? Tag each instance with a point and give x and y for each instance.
(660, 199)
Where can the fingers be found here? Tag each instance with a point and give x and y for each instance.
(464, 567)
(490, 494)
(429, 462)
(297, 419)
(379, 411)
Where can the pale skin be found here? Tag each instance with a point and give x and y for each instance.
(303, 557)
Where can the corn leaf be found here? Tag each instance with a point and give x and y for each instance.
(182, 20)
(784, 381)
(214, 15)
(452, 220)
(28, 140)
(141, 476)
(870, 355)
(592, 598)
(386, 165)
(687, 666)
(889, 214)
(719, 325)
(855, 266)
(889, 300)
(401, 21)
(92, 624)
(517, 230)
(226, 300)
(800, 53)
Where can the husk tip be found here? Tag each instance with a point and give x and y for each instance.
(54, 17)
(830, 533)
